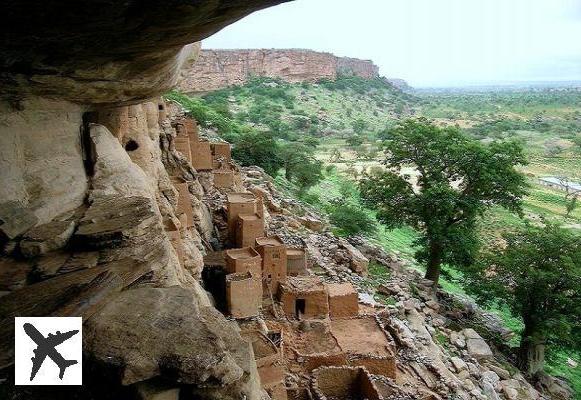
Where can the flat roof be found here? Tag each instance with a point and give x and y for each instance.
(242, 253)
(302, 284)
(249, 217)
(362, 335)
(561, 182)
(295, 252)
(341, 289)
(241, 197)
(238, 276)
(269, 241)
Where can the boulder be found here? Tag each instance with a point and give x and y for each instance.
(457, 339)
(434, 305)
(555, 387)
(489, 392)
(358, 262)
(174, 333)
(78, 293)
(501, 372)
(150, 390)
(510, 388)
(312, 223)
(491, 378)
(477, 347)
(459, 364)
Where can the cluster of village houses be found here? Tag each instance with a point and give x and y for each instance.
(314, 328)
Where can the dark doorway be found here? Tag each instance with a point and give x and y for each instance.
(214, 281)
(300, 305)
(86, 143)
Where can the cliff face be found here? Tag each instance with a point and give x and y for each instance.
(90, 222)
(216, 69)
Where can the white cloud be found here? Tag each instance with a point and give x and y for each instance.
(427, 42)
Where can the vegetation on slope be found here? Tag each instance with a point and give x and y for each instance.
(343, 124)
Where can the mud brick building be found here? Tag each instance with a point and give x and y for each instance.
(296, 262)
(185, 127)
(239, 204)
(243, 296)
(244, 260)
(304, 297)
(201, 155)
(343, 383)
(343, 300)
(248, 229)
(176, 239)
(273, 253)
(184, 202)
(269, 361)
(223, 178)
(366, 343)
(221, 154)
(245, 219)
(182, 144)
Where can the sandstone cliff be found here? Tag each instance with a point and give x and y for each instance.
(215, 69)
(89, 214)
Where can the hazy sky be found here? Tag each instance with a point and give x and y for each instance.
(427, 42)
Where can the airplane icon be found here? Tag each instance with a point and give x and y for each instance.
(46, 348)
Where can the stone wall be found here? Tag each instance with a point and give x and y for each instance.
(216, 69)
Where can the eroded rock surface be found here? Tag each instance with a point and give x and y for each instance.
(105, 51)
(216, 69)
(122, 257)
(175, 332)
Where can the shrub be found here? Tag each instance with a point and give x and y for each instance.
(351, 220)
(260, 149)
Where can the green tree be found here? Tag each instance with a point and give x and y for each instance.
(359, 125)
(570, 205)
(260, 149)
(458, 178)
(571, 195)
(301, 166)
(355, 140)
(537, 274)
(351, 220)
(310, 141)
(577, 142)
(336, 156)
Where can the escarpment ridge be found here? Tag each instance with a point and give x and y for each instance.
(216, 69)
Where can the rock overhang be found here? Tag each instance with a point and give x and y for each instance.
(104, 51)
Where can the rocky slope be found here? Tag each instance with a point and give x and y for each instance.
(438, 353)
(216, 69)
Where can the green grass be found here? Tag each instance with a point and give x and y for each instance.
(442, 340)
(556, 365)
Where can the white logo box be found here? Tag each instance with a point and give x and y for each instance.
(68, 353)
